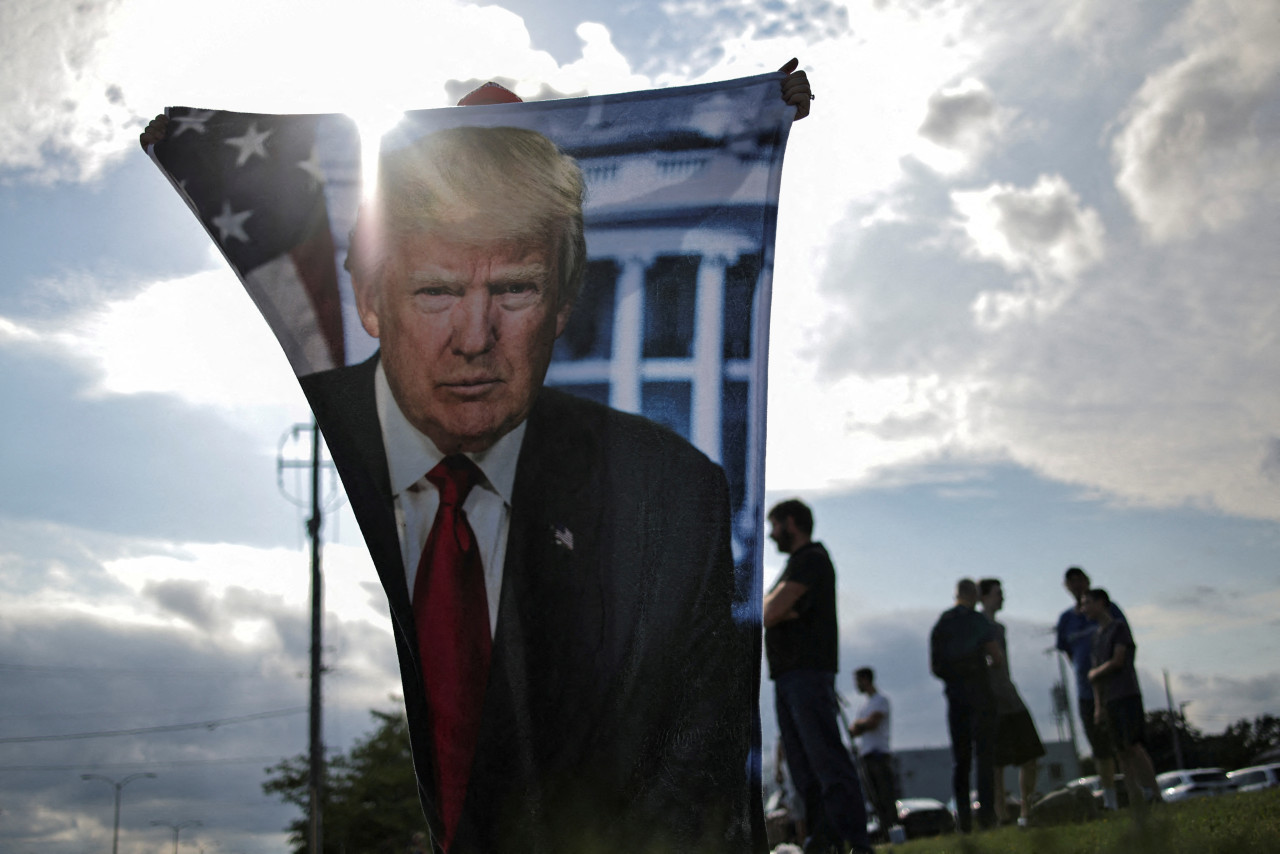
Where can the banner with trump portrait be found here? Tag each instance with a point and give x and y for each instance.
(536, 349)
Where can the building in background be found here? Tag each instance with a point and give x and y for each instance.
(926, 772)
(672, 322)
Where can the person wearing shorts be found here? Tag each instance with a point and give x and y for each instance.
(1118, 697)
(1017, 742)
(1075, 639)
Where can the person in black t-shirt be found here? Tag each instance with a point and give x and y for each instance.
(801, 647)
(1118, 706)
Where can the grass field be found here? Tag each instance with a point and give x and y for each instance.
(1247, 823)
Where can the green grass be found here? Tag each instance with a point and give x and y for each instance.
(1247, 823)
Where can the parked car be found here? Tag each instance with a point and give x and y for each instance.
(1256, 777)
(1012, 805)
(922, 817)
(1094, 784)
(1193, 783)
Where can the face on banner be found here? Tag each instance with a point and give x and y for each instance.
(466, 330)
(574, 296)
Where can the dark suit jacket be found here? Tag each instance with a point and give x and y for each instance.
(620, 710)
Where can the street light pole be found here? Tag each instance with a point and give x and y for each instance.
(177, 828)
(115, 833)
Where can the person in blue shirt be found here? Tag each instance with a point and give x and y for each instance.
(1075, 638)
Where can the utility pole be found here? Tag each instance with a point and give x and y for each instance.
(1173, 723)
(177, 828)
(1062, 700)
(1071, 719)
(315, 776)
(115, 833)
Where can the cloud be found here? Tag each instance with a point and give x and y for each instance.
(1024, 319)
(82, 674)
(1218, 701)
(957, 113)
(697, 31)
(162, 645)
(1271, 458)
(61, 117)
(143, 464)
(186, 599)
(80, 79)
(1203, 610)
(217, 349)
(601, 68)
(1043, 230)
(1151, 380)
(1200, 145)
(965, 122)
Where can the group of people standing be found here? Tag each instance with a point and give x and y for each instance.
(1097, 638)
(989, 724)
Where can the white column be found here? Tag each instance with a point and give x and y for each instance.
(708, 352)
(628, 335)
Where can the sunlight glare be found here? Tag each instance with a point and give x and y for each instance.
(373, 121)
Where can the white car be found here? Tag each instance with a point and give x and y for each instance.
(1193, 783)
(1094, 785)
(1256, 777)
(922, 817)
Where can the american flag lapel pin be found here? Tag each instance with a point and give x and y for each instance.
(563, 537)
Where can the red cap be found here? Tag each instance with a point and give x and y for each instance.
(490, 93)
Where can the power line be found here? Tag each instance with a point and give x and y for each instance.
(126, 766)
(82, 670)
(104, 716)
(144, 730)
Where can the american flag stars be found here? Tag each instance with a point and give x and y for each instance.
(252, 143)
(231, 224)
(193, 120)
(256, 181)
(312, 166)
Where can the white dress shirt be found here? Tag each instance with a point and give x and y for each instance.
(410, 455)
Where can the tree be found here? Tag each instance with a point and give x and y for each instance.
(1160, 728)
(1243, 741)
(1238, 745)
(370, 798)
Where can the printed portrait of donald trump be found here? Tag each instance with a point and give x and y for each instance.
(559, 573)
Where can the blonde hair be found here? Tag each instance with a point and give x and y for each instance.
(476, 184)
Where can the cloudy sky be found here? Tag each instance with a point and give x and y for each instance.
(1025, 316)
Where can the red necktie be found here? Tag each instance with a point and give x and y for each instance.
(452, 612)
